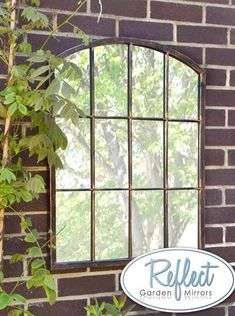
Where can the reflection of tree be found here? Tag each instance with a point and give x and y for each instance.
(147, 154)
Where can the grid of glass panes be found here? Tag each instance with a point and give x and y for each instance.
(130, 181)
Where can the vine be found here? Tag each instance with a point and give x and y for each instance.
(24, 102)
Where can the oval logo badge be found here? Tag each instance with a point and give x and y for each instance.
(178, 280)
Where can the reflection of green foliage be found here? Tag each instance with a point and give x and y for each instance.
(183, 91)
(111, 80)
(147, 82)
(73, 226)
(183, 212)
(111, 156)
(111, 225)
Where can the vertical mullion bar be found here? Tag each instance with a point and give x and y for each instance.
(201, 163)
(165, 145)
(92, 120)
(130, 150)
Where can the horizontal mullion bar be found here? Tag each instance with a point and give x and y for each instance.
(129, 189)
(140, 118)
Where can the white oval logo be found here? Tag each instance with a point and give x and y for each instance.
(178, 280)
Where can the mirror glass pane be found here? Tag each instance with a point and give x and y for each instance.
(147, 154)
(111, 158)
(183, 223)
(76, 158)
(183, 155)
(147, 85)
(111, 229)
(183, 91)
(147, 221)
(73, 220)
(111, 80)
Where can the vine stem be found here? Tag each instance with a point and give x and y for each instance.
(63, 23)
(7, 123)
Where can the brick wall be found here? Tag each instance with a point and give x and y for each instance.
(203, 30)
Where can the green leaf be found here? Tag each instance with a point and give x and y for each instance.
(5, 300)
(26, 196)
(32, 237)
(12, 108)
(111, 309)
(16, 258)
(35, 2)
(40, 274)
(115, 301)
(35, 184)
(4, 12)
(34, 251)
(1, 276)
(23, 110)
(19, 298)
(38, 72)
(51, 295)
(50, 282)
(37, 263)
(7, 175)
(25, 48)
(26, 222)
(19, 71)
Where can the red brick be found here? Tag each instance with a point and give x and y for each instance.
(218, 215)
(232, 37)
(220, 177)
(214, 157)
(70, 5)
(231, 157)
(194, 53)
(12, 224)
(230, 234)
(86, 285)
(56, 44)
(22, 290)
(90, 25)
(201, 34)
(220, 97)
(220, 56)
(131, 8)
(231, 118)
(213, 197)
(40, 204)
(227, 253)
(2, 84)
(151, 31)
(215, 117)
(230, 196)
(216, 77)
(12, 270)
(220, 137)
(61, 308)
(232, 77)
(14, 244)
(176, 12)
(219, 15)
(213, 235)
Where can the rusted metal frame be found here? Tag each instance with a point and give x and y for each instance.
(129, 110)
(92, 146)
(121, 262)
(165, 151)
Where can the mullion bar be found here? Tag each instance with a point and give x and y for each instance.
(130, 189)
(130, 150)
(201, 82)
(143, 118)
(92, 109)
(165, 148)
